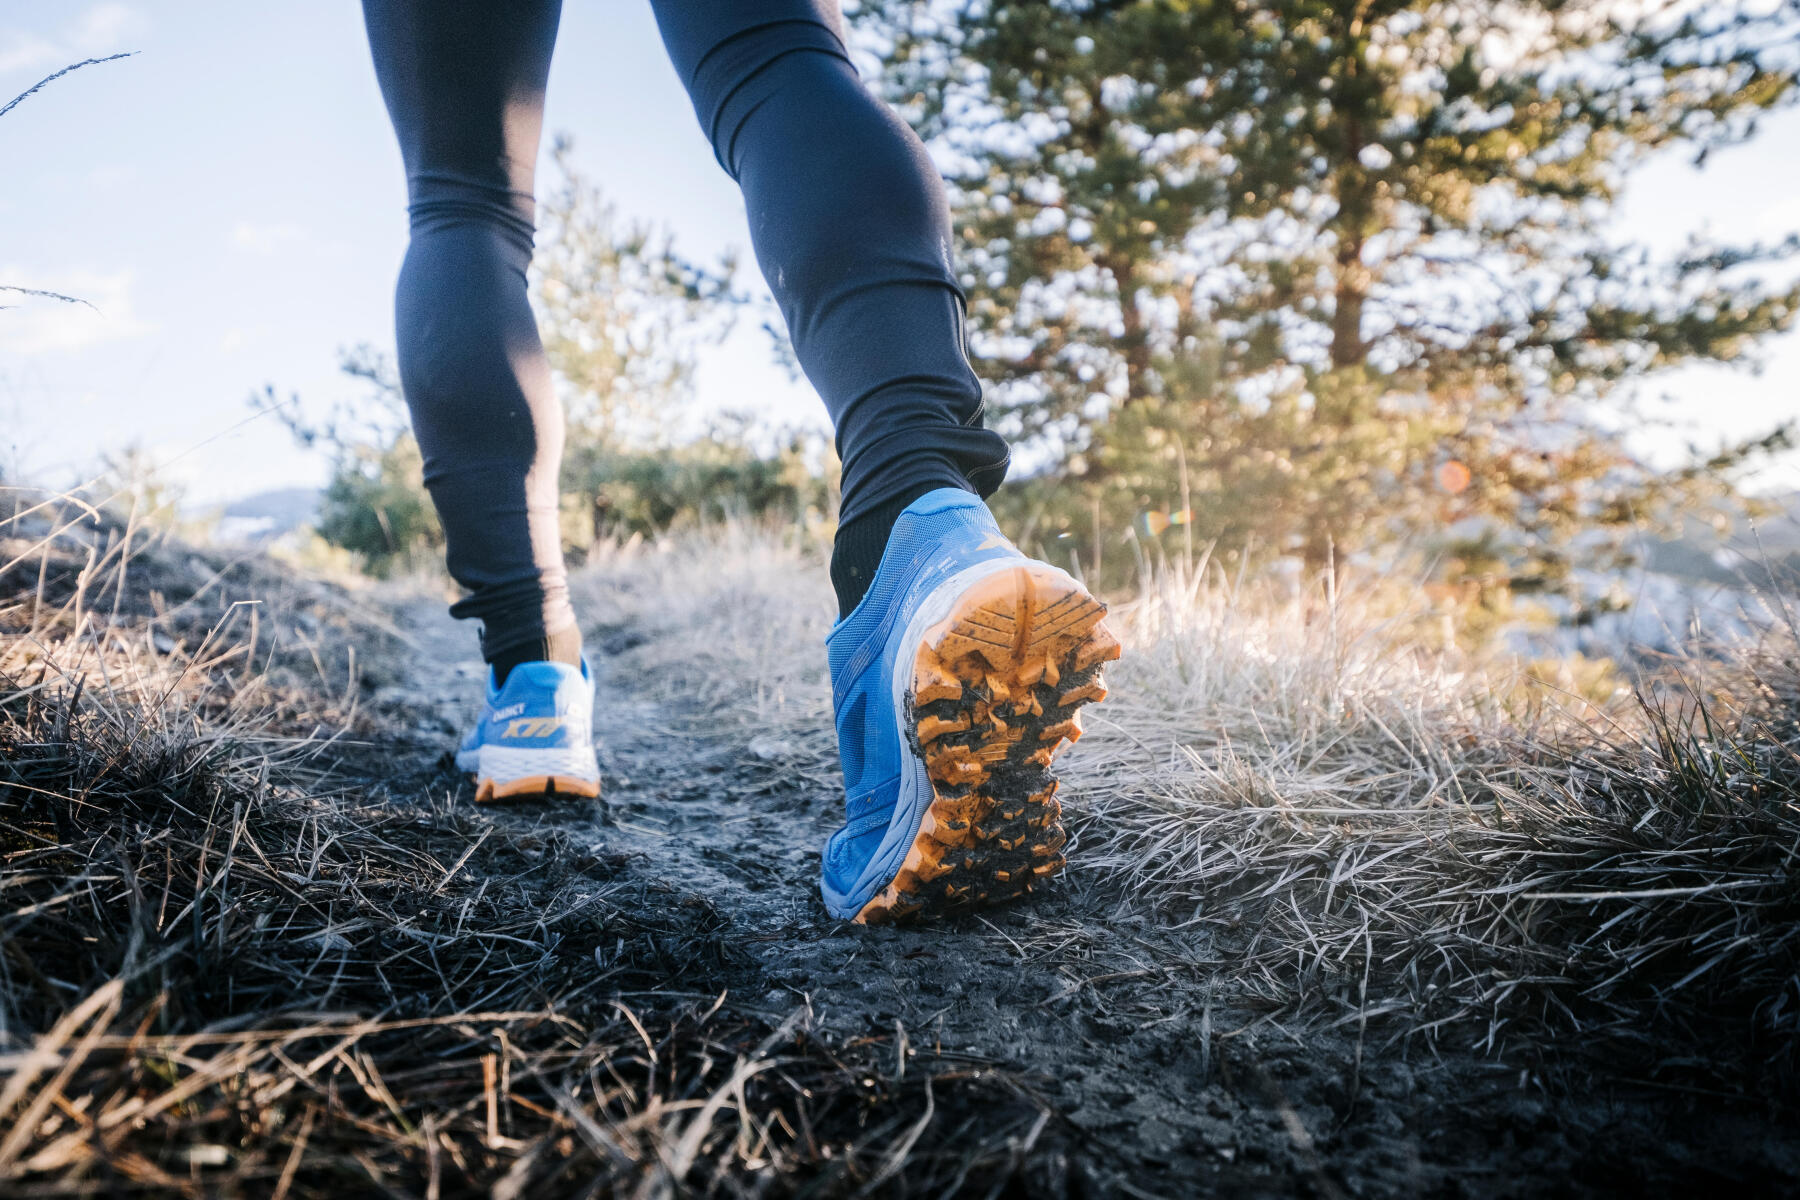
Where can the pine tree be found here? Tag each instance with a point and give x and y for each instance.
(1341, 272)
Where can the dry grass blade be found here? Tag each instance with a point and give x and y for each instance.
(39, 86)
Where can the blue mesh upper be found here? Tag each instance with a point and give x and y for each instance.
(537, 690)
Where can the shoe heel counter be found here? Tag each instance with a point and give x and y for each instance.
(942, 500)
(543, 705)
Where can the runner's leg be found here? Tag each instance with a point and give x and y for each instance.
(851, 227)
(464, 83)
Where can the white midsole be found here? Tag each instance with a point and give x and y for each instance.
(502, 764)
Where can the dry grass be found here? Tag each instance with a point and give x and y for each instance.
(230, 965)
(1379, 830)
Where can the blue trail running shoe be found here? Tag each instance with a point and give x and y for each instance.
(535, 736)
(955, 682)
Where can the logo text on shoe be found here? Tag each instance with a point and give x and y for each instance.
(532, 727)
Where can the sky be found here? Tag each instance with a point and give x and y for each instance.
(231, 203)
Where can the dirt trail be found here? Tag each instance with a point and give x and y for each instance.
(1161, 1076)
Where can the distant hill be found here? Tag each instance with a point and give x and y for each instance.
(263, 515)
(1730, 578)
(1703, 551)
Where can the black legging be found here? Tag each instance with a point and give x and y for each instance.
(847, 216)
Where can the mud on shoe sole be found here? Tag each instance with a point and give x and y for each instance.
(996, 693)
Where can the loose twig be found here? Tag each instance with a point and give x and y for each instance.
(52, 78)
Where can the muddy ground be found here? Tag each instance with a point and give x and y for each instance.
(1153, 1074)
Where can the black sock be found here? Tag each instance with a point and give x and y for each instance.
(563, 646)
(857, 549)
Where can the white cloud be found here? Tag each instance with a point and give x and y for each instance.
(25, 51)
(99, 30)
(111, 175)
(38, 325)
(264, 239)
(104, 28)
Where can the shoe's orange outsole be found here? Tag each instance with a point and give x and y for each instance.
(996, 693)
(487, 791)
